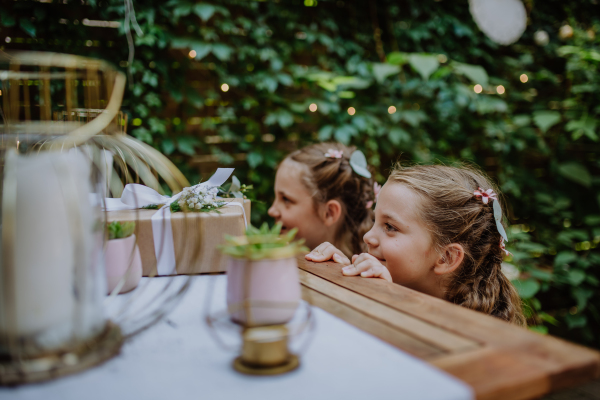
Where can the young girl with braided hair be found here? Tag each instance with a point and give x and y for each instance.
(326, 196)
(437, 230)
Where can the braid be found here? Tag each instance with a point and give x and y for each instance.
(454, 215)
(333, 178)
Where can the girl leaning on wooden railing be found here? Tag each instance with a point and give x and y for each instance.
(438, 230)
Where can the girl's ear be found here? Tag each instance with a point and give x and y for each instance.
(331, 212)
(451, 258)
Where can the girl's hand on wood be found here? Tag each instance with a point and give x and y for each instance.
(325, 252)
(367, 266)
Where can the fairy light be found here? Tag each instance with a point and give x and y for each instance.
(192, 53)
(224, 87)
(351, 110)
(478, 88)
(391, 109)
(312, 107)
(500, 89)
(524, 78)
(18, 142)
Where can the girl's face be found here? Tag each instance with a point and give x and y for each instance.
(294, 206)
(400, 239)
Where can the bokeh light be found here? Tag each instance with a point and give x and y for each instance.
(524, 78)
(392, 109)
(500, 89)
(224, 87)
(351, 110)
(312, 107)
(192, 53)
(478, 88)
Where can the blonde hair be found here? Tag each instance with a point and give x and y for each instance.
(333, 178)
(454, 215)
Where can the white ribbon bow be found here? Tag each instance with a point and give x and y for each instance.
(137, 196)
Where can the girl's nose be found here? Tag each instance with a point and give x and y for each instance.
(371, 239)
(273, 211)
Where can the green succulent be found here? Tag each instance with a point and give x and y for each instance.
(264, 242)
(120, 230)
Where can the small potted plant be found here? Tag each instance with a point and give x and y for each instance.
(122, 257)
(263, 286)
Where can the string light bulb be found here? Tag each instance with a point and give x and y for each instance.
(225, 87)
(478, 88)
(524, 78)
(391, 109)
(351, 110)
(192, 53)
(312, 107)
(500, 89)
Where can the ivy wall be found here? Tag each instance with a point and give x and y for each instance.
(244, 82)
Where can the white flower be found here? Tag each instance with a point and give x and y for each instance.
(193, 200)
(198, 206)
(181, 203)
(208, 199)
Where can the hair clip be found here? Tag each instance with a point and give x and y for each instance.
(358, 162)
(376, 190)
(331, 153)
(486, 196)
(503, 247)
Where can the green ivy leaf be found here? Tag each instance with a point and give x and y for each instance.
(527, 288)
(254, 159)
(424, 64)
(398, 135)
(344, 133)
(474, 73)
(325, 133)
(565, 257)
(27, 26)
(397, 58)
(186, 145)
(546, 119)
(7, 20)
(204, 10)
(576, 172)
(383, 70)
(221, 51)
(168, 146)
(575, 276)
(582, 295)
(539, 329)
(575, 321)
(585, 126)
(202, 49)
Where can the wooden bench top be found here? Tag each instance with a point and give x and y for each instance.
(497, 359)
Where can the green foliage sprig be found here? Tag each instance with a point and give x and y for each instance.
(120, 230)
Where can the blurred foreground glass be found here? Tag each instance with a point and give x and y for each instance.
(62, 152)
(264, 308)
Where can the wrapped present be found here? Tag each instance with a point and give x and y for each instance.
(196, 236)
(184, 242)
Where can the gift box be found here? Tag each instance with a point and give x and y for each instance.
(196, 236)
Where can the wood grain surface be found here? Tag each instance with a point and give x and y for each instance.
(497, 359)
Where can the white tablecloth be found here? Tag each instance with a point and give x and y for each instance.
(178, 359)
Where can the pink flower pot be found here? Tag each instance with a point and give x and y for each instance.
(118, 259)
(262, 292)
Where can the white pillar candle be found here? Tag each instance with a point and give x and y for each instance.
(58, 277)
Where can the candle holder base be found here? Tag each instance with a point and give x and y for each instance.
(292, 363)
(21, 371)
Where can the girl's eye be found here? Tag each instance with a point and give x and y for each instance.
(286, 200)
(389, 228)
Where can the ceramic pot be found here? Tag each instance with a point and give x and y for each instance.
(118, 259)
(262, 292)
